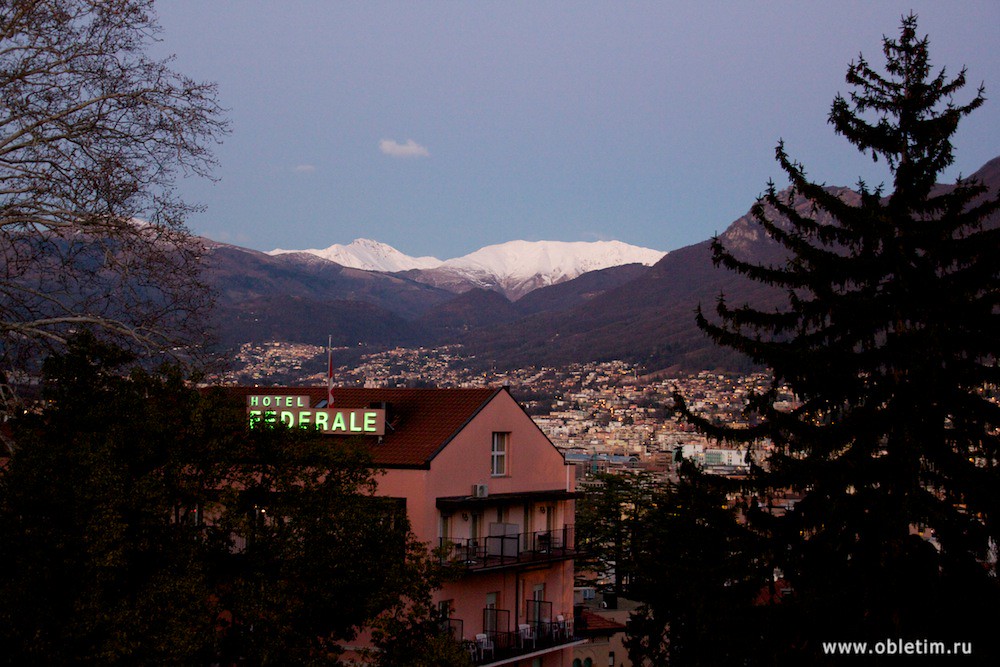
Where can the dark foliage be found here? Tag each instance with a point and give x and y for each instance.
(889, 337)
(94, 567)
(142, 522)
(702, 586)
(610, 520)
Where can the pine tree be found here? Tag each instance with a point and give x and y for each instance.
(696, 580)
(889, 340)
(610, 518)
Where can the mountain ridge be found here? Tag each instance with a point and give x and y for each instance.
(368, 255)
(514, 268)
(642, 314)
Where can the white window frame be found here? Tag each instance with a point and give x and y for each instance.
(499, 454)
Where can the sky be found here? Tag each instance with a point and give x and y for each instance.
(442, 127)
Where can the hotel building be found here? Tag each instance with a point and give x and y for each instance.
(486, 489)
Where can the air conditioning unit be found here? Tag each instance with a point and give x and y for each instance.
(480, 491)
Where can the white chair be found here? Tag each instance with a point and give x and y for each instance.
(472, 648)
(526, 633)
(561, 628)
(484, 644)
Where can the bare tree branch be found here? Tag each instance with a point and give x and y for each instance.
(93, 135)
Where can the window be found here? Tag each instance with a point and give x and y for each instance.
(498, 458)
(445, 528)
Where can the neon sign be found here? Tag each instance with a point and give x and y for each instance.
(295, 412)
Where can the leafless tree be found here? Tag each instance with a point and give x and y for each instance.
(94, 133)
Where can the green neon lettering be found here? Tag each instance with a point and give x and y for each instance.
(355, 427)
(338, 422)
(255, 400)
(304, 418)
(288, 418)
(266, 401)
(321, 421)
(370, 422)
(254, 418)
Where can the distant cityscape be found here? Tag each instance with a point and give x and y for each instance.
(603, 415)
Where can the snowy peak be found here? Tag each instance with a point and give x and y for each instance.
(370, 256)
(560, 260)
(514, 268)
(518, 267)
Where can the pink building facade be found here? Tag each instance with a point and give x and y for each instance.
(487, 490)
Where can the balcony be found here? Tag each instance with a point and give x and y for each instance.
(511, 550)
(500, 643)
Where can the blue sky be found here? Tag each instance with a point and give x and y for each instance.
(441, 127)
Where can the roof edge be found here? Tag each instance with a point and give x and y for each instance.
(447, 441)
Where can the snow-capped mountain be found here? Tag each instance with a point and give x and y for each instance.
(518, 267)
(370, 256)
(514, 268)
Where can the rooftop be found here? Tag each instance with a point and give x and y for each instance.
(419, 422)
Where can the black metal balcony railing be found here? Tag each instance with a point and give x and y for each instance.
(506, 550)
(452, 627)
(500, 641)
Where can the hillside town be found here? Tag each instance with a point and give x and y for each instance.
(603, 415)
(609, 417)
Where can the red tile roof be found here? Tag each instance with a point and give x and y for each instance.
(773, 593)
(594, 623)
(419, 422)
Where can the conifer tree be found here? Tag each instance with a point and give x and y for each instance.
(610, 518)
(696, 579)
(889, 339)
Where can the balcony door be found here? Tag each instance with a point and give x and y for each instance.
(538, 608)
(503, 540)
(445, 528)
(474, 529)
(490, 621)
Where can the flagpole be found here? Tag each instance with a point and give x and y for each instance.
(329, 372)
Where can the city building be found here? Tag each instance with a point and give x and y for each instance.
(484, 487)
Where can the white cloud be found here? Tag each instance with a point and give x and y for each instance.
(411, 148)
(305, 168)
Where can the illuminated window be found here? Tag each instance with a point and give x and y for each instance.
(498, 458)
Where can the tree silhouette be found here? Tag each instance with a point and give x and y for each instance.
(93, 135)
(142, 522)
(697, 577)
(889, 339)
